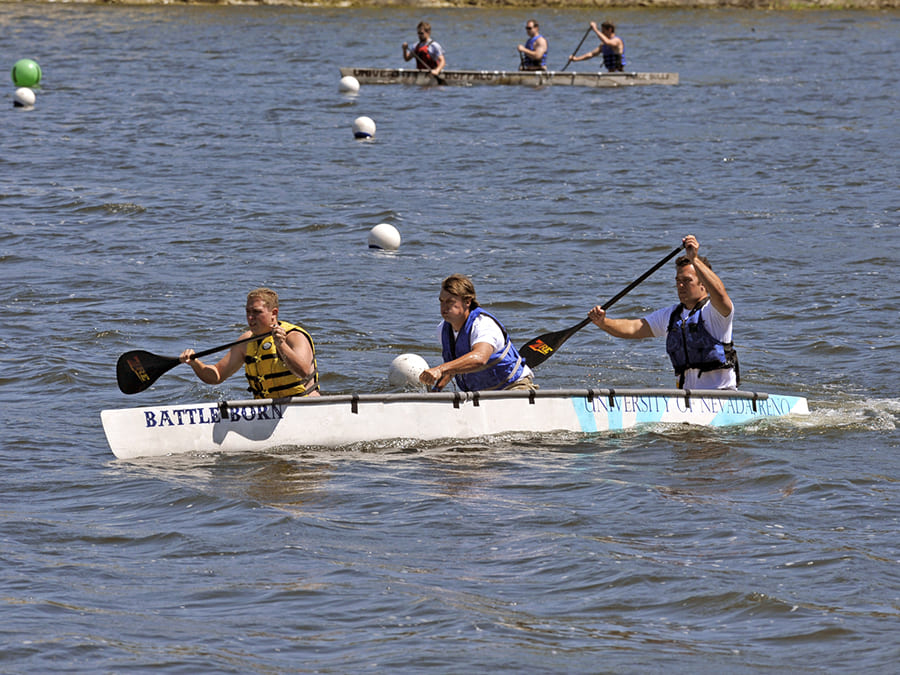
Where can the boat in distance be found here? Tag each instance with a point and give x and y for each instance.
(346, 419)
(530, 78)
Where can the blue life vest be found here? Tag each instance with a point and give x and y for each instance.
(529, 62)
(690, 345)
(614, 62)
(504, 367)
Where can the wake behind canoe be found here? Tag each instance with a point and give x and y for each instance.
(507, 77)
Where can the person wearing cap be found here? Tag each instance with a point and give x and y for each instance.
(533, 54)
(611, 46)
(476, 348)
(281, 362)
(697, 329)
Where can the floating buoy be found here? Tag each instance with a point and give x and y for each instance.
(363, 127)
(26, 73)
(385, 237)
(405, 371)
(349, 84)
(24, 99)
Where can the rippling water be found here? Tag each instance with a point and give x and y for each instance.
(180, 156)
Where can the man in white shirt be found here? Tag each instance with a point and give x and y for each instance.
(475, 346)
(697, 329)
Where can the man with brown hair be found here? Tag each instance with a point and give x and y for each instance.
(611, 46)
(280, 362)
(697, 329)
(475, 346)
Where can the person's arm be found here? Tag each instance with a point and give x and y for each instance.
(474, 361)
(584, 57)
(407, 55)
(227, 366)
(536, 54)
(296, 352)
(441, 62)
(718, 296)
(621, 328)
(617, 45)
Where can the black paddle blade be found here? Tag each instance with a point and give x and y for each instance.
(138, 370)
(542, 347)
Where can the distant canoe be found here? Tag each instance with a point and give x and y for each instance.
(340, 420)
(514, 77)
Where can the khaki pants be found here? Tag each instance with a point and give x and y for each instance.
(526, 383)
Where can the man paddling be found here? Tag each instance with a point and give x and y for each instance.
(280, 363)
(697, 329)
(476, 348)
(611, 46)
(533, 54)
(429, 55)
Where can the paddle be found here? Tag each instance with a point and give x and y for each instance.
(440, 80)
(577, 48)
(543, 347)
(138, 370)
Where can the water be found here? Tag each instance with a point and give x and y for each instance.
(180, 156)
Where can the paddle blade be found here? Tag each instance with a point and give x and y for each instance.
(544, 346)
(138, 370)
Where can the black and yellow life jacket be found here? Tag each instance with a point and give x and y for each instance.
(269, 376)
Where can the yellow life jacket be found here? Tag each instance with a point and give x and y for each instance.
(269, 376)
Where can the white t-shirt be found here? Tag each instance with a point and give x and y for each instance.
(718, 326)
(485, 329)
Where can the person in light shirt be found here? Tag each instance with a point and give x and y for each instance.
(476, 348)
(697, 329)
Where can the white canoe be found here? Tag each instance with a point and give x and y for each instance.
(335, 421)
(514, 77)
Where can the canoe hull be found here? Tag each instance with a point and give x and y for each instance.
(507, 77)
(334, 421)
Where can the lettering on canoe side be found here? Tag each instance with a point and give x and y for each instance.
(768, 407)
(210, 415)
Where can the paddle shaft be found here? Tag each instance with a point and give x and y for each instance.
(138, 370)
(586, 33)
(440, 80)
(543, 347)
(213, 350)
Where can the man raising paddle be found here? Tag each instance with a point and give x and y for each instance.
(280, 363)
(611, 46)
(476, 348)
(697, 329)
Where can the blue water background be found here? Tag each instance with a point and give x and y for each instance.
(180, 156)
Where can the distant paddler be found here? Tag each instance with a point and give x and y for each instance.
(611, 47)
(279, 358)
(429, 55)
(533, 54)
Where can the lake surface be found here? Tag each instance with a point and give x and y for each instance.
(180, 156)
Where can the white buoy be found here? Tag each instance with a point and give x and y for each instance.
(24, 98)
(363, 127)
(405, 370)
(349, 84)
(385, 237)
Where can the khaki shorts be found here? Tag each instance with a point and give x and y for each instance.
(526, 383)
